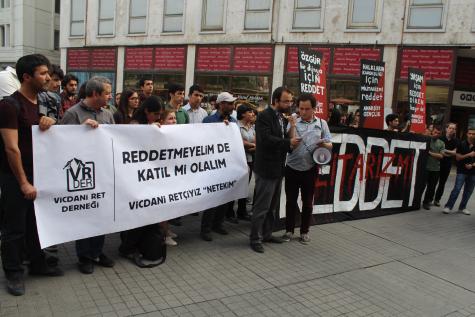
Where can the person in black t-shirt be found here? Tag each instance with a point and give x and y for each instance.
(465, 173)
(451, 144)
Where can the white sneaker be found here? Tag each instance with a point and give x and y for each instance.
(466, 211)
(287, 236)
(172, 234)
(304, 238)
(447, 210)
(169, 241)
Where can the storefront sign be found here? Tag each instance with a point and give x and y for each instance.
(372, 94)
(372, 171)
(312, 78)
(217, 58)
(116, 178)
(103, 59)
(78, 59)
(293, 60)
(417, 100)
(169, 58)
(253, 59)
(346, 60)
(464, 98)
(436, 64)
(137, 58)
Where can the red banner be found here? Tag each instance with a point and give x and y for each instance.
(417, 100)
(436, 64)
(293, 61)
(253, 59)
(346, 60)
(78, 59)
(312, 78)
(138, 58)
(372, 94)
(170, 58)
(103, 59)
(217, 58)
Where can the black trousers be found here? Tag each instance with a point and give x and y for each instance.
(131, 240)
(443, 176)
(213, 218)
(18, 227)
(431, 182)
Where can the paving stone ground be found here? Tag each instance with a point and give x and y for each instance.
(419, 263)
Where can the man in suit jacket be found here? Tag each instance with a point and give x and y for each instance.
(272, 145)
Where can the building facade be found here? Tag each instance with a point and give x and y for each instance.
(249, 47)
(28, 27)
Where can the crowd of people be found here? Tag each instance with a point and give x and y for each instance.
(277, 144)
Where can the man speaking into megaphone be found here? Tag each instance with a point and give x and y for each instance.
(301, 167)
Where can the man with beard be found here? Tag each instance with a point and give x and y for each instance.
(272, 145)
(18, 113)
(68, 95)
(433, 166)
(213, 218)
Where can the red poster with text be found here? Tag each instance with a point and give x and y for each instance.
(417, 100)
(322, 107)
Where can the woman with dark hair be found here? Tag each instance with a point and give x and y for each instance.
(145, 246)
(128, 104)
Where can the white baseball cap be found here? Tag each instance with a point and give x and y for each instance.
(225, 96)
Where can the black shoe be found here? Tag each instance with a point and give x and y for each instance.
(426, 206)
(16, 286)
(45, 270)
(436, 203)
(104, 260)
(273, 239)
(244, 217)
(206, 236)
(257, 247)
(175, 222)
(221, 230)
(232, 220)
(85, 266)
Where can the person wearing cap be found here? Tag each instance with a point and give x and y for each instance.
(272, 144)
(213, 218)
(301, 170)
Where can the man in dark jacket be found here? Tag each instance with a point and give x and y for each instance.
(272, 145)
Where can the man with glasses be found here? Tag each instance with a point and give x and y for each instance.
(272, 145)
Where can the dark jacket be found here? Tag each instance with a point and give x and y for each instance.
(271, 147)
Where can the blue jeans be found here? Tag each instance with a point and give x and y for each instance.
(460, 180)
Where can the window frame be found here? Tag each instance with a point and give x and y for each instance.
(165, 15)
(246, 10)
(5, 4)
(5, 36)
(309, 29)
(443, 18)
(203, 14)
(365, 27)
(137, 17)
(71, 21)
(99, 20)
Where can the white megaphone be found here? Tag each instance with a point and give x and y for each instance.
(322, 156)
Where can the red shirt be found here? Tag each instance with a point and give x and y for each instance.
(67, 102)
(22, 121)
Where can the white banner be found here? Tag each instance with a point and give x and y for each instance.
(463, 98)
(113, 178)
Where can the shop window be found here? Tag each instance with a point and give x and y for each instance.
(363, 14)
(437, 98)
(258, 15)
(5, 35)
(138, 16)
(4, 4)
(84, 76)
(160, 82)
(307, 14)
(173, 16)
(213, 15)
(106, 17)
(78, 13)
(425, 14)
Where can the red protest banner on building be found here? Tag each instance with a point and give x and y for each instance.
(312, 79)
(417, 100)
(372, 94)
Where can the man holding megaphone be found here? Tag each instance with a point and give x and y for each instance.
(301, 167)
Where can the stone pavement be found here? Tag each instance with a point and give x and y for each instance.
(418, 263)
